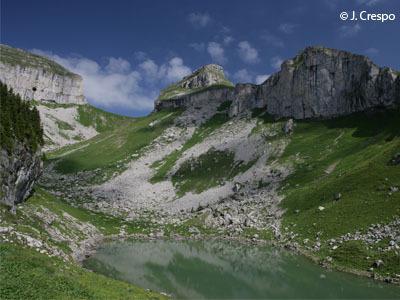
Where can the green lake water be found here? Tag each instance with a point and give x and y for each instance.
(220, 269)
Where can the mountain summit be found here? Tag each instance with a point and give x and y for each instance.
(202, 78)
(317, 83)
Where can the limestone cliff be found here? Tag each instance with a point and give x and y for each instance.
(36, 77)
(318, 83)
(323, 82)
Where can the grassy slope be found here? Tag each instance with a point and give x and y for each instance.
(27, 274)
(89, 115)
(99, 119)
(356, 149)
(107, 150)
(208, 170)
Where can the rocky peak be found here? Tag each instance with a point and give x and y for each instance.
(203, 78)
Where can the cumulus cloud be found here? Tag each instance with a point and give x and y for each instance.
(217, 52)
(175, 70)
(118, 65)
(118, 84)
(140, 55)
(227, 40)
(276, 62)
(287, 28)
(247, 53)
(199, 20)
(200, 47)
(261, 78)
(346, 31)
(242, 76)
(272, 40)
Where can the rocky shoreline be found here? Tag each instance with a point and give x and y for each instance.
(255, 240)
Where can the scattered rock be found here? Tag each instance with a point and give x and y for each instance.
(378, 263)
(236, 187)
(288, 127)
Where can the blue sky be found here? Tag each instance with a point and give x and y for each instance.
(127, 50)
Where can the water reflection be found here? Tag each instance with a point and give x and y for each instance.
(216, 269)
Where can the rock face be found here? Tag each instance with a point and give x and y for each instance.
(323, 82)
(318, 83)
(19, 171)
(36, 77)
(195, 99)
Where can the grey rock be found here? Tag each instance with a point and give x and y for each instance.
(36, 77)
(236, 187)
(203, 77)
(288, 127)
(19, 171)
(324, 82)
(378, 263)
(218, 95)
(318, 83)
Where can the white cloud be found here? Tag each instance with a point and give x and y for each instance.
(287, 28)
(118, 65)
(200, 47)
(150, 69)
(140, 55)
(276, 62)
(227, 40)
(199, 20)
(247, 53)
(272, 40)
(346, 31)
(216, 52)
(243, 76)
(175, 70)
(261, 78)
(117, 84)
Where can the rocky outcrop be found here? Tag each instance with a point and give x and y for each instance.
(318, 83)
(220, 95)
(202, 79)
(19, 171)
(36, 77)
(323, 82)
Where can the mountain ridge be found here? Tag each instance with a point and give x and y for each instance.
(317, 82)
